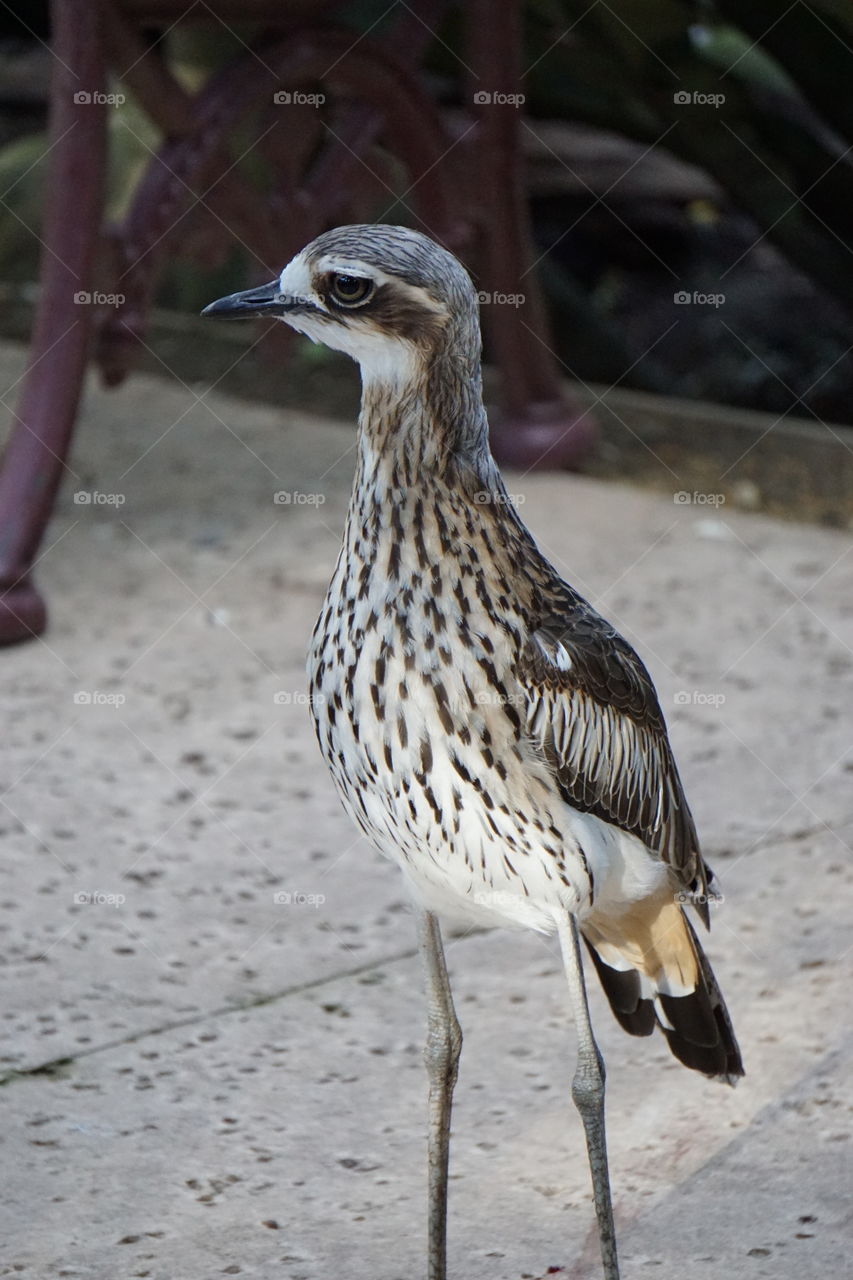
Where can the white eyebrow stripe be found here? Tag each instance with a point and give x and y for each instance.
(355, 267)
(352, 266)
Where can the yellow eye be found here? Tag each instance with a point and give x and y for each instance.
(350, 291)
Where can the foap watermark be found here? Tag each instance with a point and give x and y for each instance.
(684, 498)
(698, 698)
(492, 698)
(687, 898)
(95, 498)
(684, 298)
(297, 98)
(284, 898)
(83, 298)
(485, 498)
(297, 698)
(495, 898)
(97, 698)
(489, 98)
(83, 98)
(303, 299)
(295, 498)
(487, 299)
(83, 898)
(696, 98)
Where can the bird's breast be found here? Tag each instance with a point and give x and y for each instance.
(400, 662)
(422, 722)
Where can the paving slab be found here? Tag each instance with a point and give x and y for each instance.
(212, 1015)
(172, 1155)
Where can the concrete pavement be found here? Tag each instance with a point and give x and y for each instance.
(212, 1016)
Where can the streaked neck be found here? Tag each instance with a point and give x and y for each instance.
(415, 428)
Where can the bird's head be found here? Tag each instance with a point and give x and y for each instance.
(389, 297)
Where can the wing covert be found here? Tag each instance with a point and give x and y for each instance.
(593, 712)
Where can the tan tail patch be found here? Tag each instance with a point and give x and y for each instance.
(651, 936)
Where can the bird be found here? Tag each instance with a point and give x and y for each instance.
(486, 729)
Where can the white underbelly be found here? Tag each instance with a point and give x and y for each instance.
(455, 794)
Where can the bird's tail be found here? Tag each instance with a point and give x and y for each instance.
(654, 972)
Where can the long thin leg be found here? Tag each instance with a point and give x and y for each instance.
(443, 1046)
(588, 1094)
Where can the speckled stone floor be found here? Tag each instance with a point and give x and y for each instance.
(212, 1019)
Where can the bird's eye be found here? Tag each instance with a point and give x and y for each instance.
(350, 291)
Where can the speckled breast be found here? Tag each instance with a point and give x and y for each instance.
(424, 731)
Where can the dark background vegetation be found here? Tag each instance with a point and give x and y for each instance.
(637, 195)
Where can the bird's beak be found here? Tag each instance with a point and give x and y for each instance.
(268, 299)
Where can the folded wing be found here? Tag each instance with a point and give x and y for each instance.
(593, 712)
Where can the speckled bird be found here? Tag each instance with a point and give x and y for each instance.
(486, 729)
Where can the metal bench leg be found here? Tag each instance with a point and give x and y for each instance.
(539, 426)
(34, 459)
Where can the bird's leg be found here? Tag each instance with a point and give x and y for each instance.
(443, 1046)
(588, 1094)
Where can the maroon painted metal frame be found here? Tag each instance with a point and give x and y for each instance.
(467, 192)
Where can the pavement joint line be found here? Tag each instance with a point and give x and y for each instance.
(59, 1064)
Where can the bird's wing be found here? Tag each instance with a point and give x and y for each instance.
(593, 712)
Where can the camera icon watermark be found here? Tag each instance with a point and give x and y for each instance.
(295, 498)
(97, 698)
(485, 498)
(698, 698)
(85, 99)
(94, 498)
(82, 298)
(491, 698)
(486, 98)
(487, 299)
(695, 98)
(296, 98)
(495, 898)
(305, 299)
(684, 298)
(284, 898)
(297, 698)
(688, 898)
(684, 498)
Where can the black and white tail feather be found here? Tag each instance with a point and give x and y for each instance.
(697, 1026)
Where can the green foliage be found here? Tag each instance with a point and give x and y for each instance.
(776, 142)
(23, 173)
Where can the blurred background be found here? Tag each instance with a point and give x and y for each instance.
(687, 165)
(211, 1042)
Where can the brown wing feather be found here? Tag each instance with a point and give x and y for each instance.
(593, 711)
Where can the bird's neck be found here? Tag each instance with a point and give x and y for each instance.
(426, 483)
(416, 429)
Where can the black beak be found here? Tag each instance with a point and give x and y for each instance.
(265, 300)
